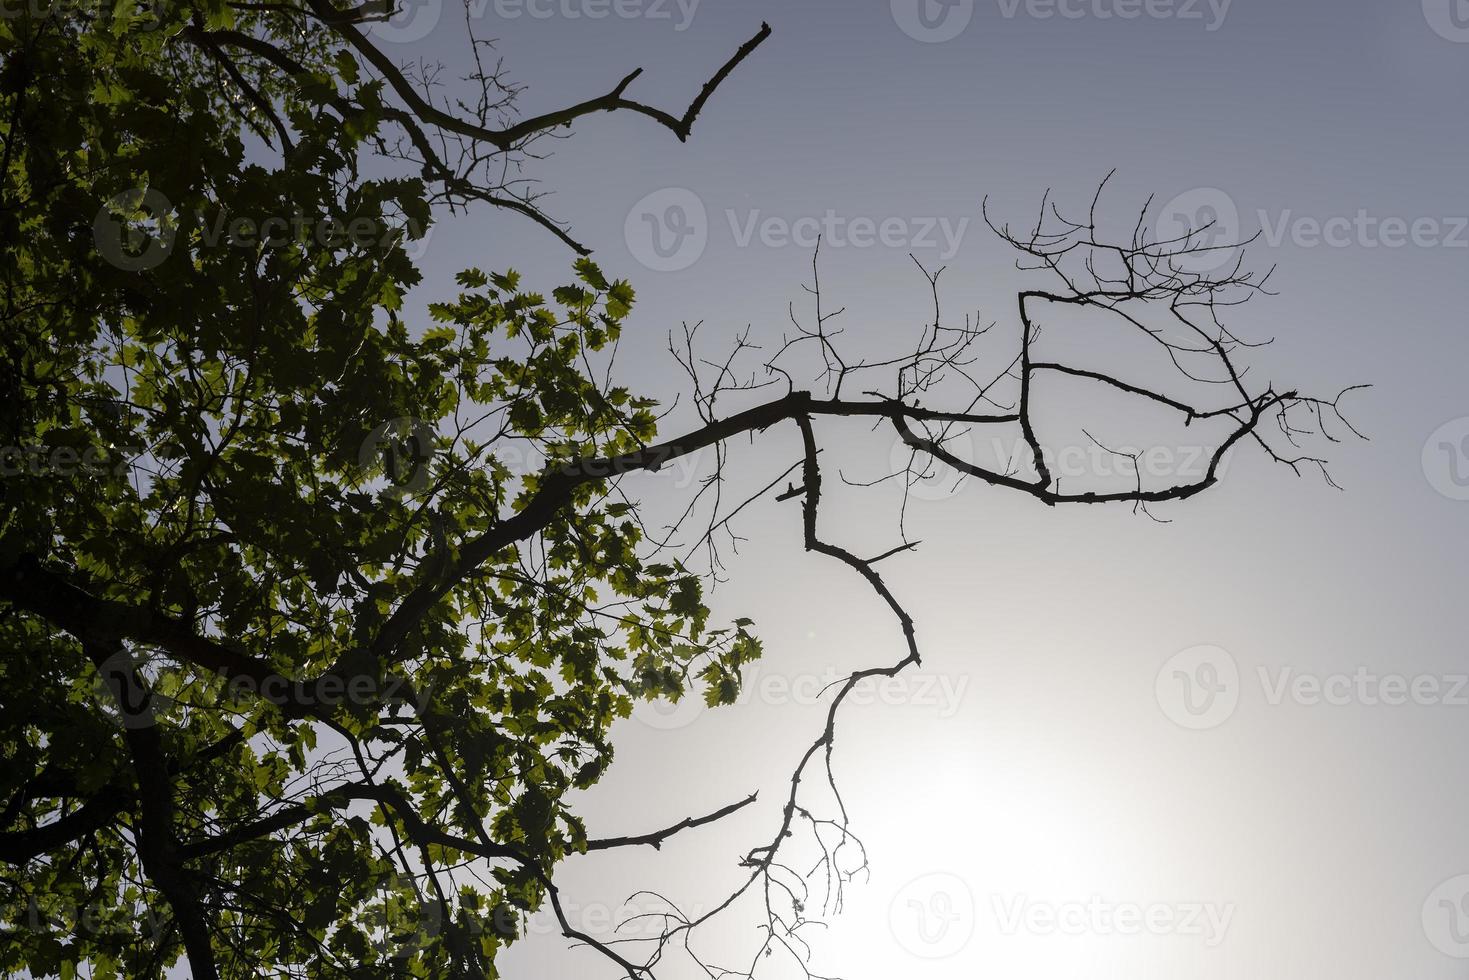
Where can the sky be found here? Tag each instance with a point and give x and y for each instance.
(1224, 746)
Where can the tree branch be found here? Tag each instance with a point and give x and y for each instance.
(656, 838)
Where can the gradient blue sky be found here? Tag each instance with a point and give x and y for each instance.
(1332, 833)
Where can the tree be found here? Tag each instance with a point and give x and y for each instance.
(293, 646)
